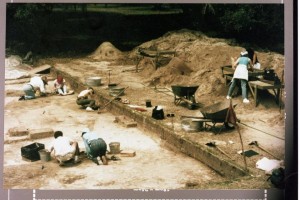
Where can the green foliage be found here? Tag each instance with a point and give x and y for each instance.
(245, 18)
(40, 26)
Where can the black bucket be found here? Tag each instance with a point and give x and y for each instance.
(148, 103)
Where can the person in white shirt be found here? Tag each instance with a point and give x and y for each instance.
(85, 99)
(37, 83)
(64, 149)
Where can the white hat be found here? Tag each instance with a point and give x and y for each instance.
(244, 53)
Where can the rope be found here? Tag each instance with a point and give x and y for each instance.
(262, 131)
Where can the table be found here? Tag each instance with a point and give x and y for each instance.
(228, 71)
(153, 54)
(254, 85)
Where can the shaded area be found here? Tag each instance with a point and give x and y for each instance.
(77, 29)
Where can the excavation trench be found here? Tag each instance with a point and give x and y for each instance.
(185, 145)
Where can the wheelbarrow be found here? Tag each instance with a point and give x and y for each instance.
(214, 114)
(186, 94)
(217, 113)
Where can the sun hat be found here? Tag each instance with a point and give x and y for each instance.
(244, 53)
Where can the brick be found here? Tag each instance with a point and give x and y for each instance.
(10, 140)
(40, 133)
(18, 131)
(127, 122)
(127, 153)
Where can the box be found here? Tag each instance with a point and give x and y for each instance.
(31, 152)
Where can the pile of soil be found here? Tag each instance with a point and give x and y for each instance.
(107, 51)
(198, 61)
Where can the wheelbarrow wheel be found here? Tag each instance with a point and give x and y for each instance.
(228, 125)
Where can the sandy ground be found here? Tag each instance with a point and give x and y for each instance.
(154, 166)
(197, 62)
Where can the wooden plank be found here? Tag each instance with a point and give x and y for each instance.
(264, 85)
(127, 153)
(39, 69)
(260, 83)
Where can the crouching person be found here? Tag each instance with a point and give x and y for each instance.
(95, 147)
(60, 86)
(64, 149)
(36, 83)
(85, 99)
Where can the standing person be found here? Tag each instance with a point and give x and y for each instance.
(64, 148)
(95, 147)
(84, 99)
(60, 85)
(240, 73)
(37, 83)
(253, 56)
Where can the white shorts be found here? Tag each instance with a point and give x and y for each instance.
(67, 156)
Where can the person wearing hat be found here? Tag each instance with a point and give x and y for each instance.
(37, 83)
(241, 66)
(95, 147)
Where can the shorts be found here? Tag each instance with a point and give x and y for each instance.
(67, 156)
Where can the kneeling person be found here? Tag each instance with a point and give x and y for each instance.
(95, 147)
(64, 149)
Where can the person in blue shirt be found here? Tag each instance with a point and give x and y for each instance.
(241, 66)
(95, 147)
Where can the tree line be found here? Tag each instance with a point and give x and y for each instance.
(261, 25)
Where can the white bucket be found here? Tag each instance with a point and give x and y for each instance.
(93, 81)
(44, 155)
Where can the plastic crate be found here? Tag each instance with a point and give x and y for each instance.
(31, 152)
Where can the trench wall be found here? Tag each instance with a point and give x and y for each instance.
(186, 146)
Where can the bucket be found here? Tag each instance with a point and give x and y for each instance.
(114, 147)
(44, 155)
(191, 124)
(115, 91)
(93, 81)
(148, 103)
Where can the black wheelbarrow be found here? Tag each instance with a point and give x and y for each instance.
(217, 113)
(185, 93)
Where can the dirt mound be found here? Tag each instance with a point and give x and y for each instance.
(203, 56)
(107, 51)
(176, 71)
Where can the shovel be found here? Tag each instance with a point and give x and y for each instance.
(213, 144)
(255, 143)
(121, 92)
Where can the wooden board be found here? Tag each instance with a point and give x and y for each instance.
(39, 69)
